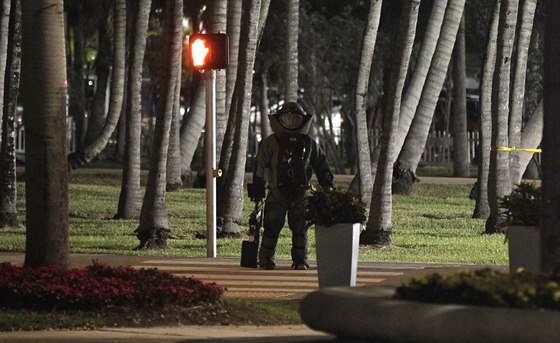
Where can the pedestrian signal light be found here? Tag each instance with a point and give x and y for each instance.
(209, 51)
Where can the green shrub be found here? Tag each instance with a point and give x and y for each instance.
(486, 287)
(523, 206)
(333, 206)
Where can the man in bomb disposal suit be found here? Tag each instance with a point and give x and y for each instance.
(286, 160)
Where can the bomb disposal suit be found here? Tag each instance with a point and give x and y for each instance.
(286, 161)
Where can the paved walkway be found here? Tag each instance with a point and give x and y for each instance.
(250, 283)
(240, 283)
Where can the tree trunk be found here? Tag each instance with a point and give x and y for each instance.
(518, 93)
(233, 28)
(129, 199)
(92, 150)
(415, 142)
(460, 139)
(550, 227)
(368, 45)
(153, 230)
(173, 176)
(379, 225)
(219, 24)
(482, 208)
(103, 60)
(8, 194)
(4, 36)
(413, 92)
(231, 202)
(531, 138)
(77, 96)
(292, 64)
(44, 96)
(191, 130)
(499, 182)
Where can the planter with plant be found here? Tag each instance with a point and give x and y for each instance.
(522, 211)
(338, 217)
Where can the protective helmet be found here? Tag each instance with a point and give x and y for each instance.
(290, 119)
(291, 116)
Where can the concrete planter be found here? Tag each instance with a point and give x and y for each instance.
(372, 314)
(524, 248)
(337, 249)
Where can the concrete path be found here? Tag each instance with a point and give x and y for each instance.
(247, 283)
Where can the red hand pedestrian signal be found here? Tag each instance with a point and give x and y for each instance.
(209, 51)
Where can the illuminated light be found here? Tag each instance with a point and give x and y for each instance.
(199, 52)
(209, 51)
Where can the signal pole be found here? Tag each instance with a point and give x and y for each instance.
(209, 52)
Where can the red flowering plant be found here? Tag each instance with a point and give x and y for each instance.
(99, 285)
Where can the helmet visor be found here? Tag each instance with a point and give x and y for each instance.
(290, 121)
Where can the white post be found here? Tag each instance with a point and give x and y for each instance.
(211, 172)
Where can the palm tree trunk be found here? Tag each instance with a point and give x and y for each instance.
(482, 208)
(550, 226)
(413, 92)
(460, 139)
(219, 24)
(44, 96)
(8, 185)
(415, 142)
(368, 46)
(4, 36)
(92, 150)
(191, 130)
(153, 229)
(231, 202)
(499, 181)
(379, 225)
(531, 138)
(174, 181)
(518, 93)
(130, 200)
(292, 65)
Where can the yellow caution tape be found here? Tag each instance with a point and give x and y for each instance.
(505, 148)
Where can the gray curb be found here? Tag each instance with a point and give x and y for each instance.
(371, 313)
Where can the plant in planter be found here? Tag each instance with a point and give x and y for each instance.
(521, 218)
(338, 217)
(334, 206)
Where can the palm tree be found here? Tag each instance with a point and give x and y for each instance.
(173, 176)
(94, 148)
(4, 34)
(518, 89)
(550, 227)
(368, 46)
(482, 207)
(292, 64)
(413, 92)
(219, 24)
(153, 229)
(379, 225)
(415, 142)
(460, 139)
(8, 194)
(77, 96)
(44, 98)
(129, 199)
(499, 182)
(231, 202)
(191, 129)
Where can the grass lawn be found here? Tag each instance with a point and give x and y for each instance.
(433, 224)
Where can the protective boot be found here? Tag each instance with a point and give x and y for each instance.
(299, 250)
(267, 251)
